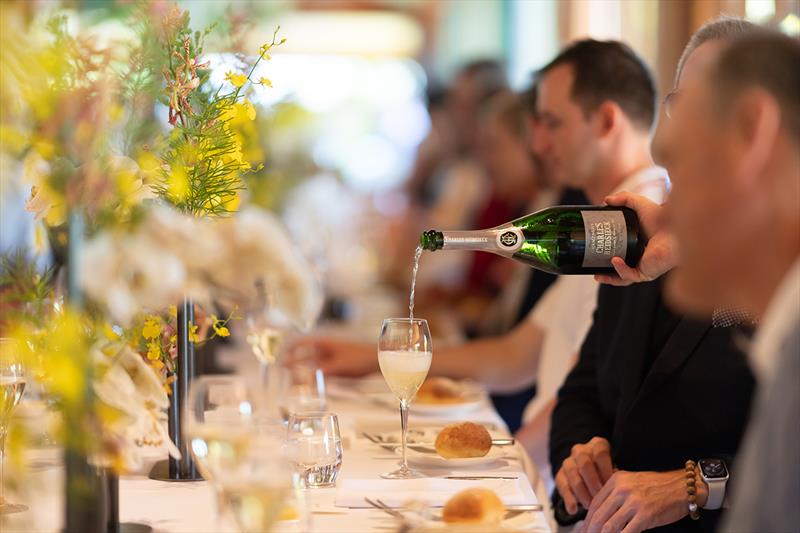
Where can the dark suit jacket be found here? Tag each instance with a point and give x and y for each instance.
(692, 403)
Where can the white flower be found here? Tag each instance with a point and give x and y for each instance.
(171, 255)
(127, 384)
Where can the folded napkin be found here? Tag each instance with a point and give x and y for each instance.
(435, 491)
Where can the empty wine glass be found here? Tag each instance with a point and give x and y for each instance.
(12, 385)
(314, 445)
(301, 389)
(238, 451)
(404, 354)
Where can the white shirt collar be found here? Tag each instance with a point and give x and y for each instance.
(782, 314)
(652, 182)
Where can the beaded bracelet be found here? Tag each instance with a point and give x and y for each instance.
(691, 490)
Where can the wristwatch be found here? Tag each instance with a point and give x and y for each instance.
(715, 474)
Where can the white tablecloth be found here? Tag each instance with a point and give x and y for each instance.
(190, 507)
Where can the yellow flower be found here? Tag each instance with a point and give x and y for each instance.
(231, 202)
(250, 109)
(263, 51)
(193, 337)
(173, 311)
(173, 339)
(153, 351)
(219, 327)
(178, 183)
(237, 80)
(149, 163)
(265, 81)
(151, 329)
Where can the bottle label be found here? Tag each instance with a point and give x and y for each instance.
(606, 237)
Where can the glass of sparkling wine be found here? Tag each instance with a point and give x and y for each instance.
(264, 335)
(238, 452)
(12, 385)
(314, 444)
(404, 355)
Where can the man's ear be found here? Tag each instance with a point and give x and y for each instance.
(756, 123)
(606, 118)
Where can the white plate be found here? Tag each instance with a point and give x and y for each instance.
(446, 408)
(433, 459)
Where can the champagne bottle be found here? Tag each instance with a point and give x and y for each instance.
(559, 239)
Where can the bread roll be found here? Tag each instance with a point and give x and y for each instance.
(439, 390)
(462, 440)
(474, 506)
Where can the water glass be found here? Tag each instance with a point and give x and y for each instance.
(314, 445)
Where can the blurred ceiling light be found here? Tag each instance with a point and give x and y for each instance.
(790, 25)
(362, 33)
(759, 10)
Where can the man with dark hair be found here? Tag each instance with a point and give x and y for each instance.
(596, 106)
(650, 391)
(609, 70)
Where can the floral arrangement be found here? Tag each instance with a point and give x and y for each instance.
(159, 203)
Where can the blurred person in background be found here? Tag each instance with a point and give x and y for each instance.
(737, 168)
(515, 190)
(579, 115)
(652, 389)
(448, 186)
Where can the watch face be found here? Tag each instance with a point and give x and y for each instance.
(713, 468)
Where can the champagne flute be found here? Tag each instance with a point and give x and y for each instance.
(12, 385)
(404, 355)
(264, 335)
(238, 451)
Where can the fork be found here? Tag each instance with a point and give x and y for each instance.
(405, 525)
(385, 508)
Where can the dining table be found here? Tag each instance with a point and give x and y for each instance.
(365, 411)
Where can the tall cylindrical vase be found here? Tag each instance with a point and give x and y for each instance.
(182, 469)
(85, 502)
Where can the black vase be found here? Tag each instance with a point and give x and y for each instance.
(86, 502)
(183, 469)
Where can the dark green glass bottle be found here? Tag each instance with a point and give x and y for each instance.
(560, 240)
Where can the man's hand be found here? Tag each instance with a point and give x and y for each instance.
(336, 357)
(661, 253)
(634, 501)
(584, 473)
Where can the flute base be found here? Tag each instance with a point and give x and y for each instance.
(134, 527)
(160, 472)
(403, 473)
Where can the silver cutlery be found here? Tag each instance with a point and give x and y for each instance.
(511, 511)
(422, 447)
(474, 478)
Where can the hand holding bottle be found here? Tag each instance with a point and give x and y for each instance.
(661, 252)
